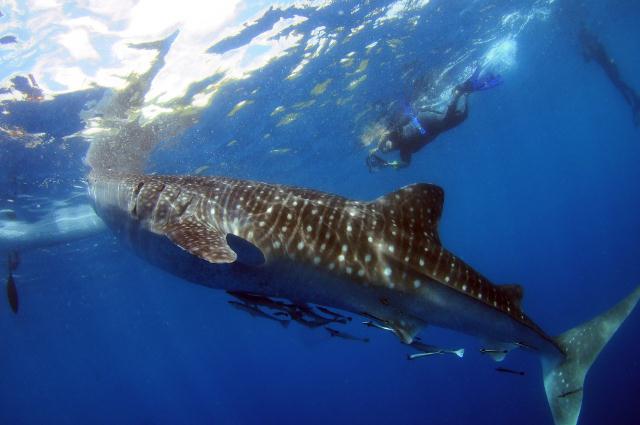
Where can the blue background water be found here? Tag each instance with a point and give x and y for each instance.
(542, 189)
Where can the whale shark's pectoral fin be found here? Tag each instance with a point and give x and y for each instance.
(200, 239)
(497, 350)
(407, 328)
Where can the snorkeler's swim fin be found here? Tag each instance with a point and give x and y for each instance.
(480, 81)
(486, 81)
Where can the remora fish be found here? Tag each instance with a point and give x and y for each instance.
(512, 371)
(344, 335)
(256, 312)
(426, 349)
(382, 257)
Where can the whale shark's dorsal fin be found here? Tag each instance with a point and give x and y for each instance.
(417, 207)
(513, 292)
(200, 239)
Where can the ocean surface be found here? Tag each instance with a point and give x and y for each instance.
(542, 189)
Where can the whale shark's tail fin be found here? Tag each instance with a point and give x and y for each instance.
(563, 381)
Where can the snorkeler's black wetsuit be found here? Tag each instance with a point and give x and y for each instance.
(407, 139)
(592, 48)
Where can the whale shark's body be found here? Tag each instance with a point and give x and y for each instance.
(381, 258)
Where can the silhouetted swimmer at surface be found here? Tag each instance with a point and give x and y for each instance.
(412, 132)
(593, 49)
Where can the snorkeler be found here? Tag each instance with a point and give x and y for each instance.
(592, 48)
(12, 291)
(412, 132)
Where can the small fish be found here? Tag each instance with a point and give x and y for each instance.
(523, 345)
(8, 39)
(372, 324)
(419, 355)
(256, 312)
(256, 300)
(568, 393)
(334, 314)
(12, 293)
(305, 315)
(493, 351)
(372, 317)
(337, 333)
(426, 348)
(13, 261)
(198, 171)
(511, 371)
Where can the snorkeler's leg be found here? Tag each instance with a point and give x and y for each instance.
(452, 110)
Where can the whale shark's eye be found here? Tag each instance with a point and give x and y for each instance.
(247, 252)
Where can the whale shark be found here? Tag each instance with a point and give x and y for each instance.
(382, 259)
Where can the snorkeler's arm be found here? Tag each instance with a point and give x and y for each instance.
(405, 159)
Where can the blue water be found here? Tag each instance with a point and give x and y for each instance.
(542, 189)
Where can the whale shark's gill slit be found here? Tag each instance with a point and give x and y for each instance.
(134, 198)
(247, 253)
(138, 188)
